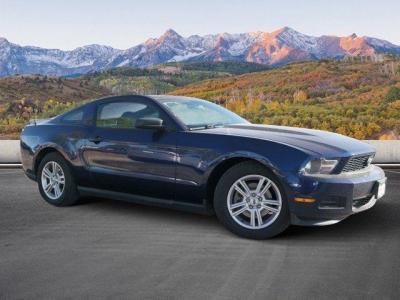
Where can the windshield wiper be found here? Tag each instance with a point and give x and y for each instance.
(215, 125)
(198, 127)
(206, 126)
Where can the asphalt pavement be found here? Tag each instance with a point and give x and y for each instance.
(116, 250)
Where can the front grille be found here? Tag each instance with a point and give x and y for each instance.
(356, 163)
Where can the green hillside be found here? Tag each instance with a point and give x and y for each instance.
(359, 99)
(41, 88)
(231, 67)
(25, 97)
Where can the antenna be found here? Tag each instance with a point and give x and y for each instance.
(35, 111)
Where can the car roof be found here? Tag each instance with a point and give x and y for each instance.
(171, 98)
(117, 97)
(157, 98)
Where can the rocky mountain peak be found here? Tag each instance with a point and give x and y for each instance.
(3, 41)
(170, 35)
(353, 36)
(284, 29)
(272, 48)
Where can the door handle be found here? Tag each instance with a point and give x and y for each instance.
(96, 139)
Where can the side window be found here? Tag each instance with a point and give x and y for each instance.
(124, 114)
(74, 117)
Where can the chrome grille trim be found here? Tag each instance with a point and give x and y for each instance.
(356, 163)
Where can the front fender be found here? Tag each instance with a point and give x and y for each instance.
(236, 156)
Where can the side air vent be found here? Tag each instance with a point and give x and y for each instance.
(360, 202)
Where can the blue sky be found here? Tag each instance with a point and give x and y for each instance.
(123, 23)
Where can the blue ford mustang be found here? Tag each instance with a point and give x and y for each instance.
(191, 154)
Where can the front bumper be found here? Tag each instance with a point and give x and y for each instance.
(336, 196)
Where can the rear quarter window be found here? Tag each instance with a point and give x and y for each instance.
(124, 114)
(75, 117)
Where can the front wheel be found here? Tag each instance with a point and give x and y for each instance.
(55, 181)
(250, 201)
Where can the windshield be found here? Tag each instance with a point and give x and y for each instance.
(196, 113)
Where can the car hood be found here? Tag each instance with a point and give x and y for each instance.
(317, 142)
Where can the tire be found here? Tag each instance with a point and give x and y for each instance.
(250, 213)
(68, 193)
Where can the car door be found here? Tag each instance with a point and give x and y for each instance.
(126, 159)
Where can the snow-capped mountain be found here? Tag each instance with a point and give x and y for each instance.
(15, 59)
(272, 48)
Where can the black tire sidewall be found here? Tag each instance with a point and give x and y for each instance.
(69, 195)
(221, 207)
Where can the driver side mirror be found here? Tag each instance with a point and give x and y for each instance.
(149, 123)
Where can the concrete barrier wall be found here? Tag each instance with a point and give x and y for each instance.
(9, 151)
(386, 151)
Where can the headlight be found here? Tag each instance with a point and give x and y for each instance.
(320, 166)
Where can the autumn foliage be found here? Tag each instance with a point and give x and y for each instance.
(358, 99)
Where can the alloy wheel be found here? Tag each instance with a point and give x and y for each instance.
(53, 180)
(254, 201)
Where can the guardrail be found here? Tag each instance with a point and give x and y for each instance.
(387, 152)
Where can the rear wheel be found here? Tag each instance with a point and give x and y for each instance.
(250, 201)
(55, 181)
